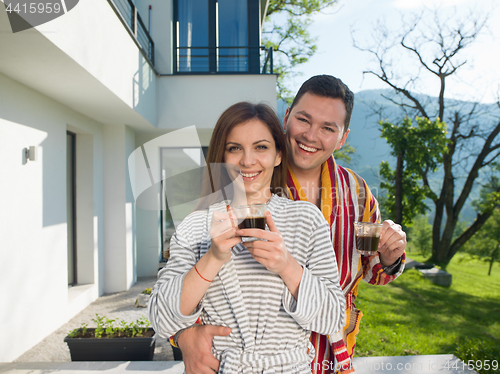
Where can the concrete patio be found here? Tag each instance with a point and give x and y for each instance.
(52, 355)
(118, 306)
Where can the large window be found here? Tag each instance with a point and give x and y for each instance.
(192, 36)
(216, 36)
(186, 166)
(232, 31)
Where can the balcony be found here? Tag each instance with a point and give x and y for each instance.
(223, 60)
(193, 60)
(127, 12)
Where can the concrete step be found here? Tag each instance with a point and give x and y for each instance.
(425, 364)
(430, 364)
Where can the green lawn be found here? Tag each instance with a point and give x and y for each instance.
(413, 316)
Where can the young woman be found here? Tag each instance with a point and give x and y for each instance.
(271, 292)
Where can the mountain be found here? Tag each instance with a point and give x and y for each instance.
(364, 135)
(371, 149)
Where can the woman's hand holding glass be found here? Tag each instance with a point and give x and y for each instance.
(271, 252)
(223, 233)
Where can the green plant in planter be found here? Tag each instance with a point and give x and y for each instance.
(80, 331)
(112, 340)
(139, 327)
(110, 329)
(99, 330)
(123, 328)
(107, 328)
(147, 291)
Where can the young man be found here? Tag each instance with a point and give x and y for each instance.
(317, 124)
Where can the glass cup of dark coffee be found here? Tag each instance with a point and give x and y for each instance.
(250, 217)
(367, 237)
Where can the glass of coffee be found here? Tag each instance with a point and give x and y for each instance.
(367, 237)
(250, 217)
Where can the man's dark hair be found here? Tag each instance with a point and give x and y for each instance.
(328, 86)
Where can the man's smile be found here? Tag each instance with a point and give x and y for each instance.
(306, 148)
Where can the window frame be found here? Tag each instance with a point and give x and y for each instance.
(253, 40)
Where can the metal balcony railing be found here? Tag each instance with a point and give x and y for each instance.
(224, 60)
(131, 18)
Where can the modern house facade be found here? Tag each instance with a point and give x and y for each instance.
(84, 92)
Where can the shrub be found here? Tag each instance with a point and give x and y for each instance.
(482, 356)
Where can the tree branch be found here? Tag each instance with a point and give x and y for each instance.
(467, 234)
(474, 172)
(405, 92)
(419, 56)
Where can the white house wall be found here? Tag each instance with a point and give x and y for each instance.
(161, 30)
(86, 60)
(33, 238)
(94, 24)
(82, 72)
(187, 100)
(119, 215)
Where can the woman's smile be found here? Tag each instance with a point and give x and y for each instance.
(249, 175)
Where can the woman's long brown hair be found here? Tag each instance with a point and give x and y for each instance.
(216, 176)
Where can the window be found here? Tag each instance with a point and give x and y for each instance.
(186, 166)
(216, 36)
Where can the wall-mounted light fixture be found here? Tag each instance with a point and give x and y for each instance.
(30, 153)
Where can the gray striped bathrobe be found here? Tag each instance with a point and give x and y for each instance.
(270, 329)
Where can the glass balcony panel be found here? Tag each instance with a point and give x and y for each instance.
(192, 32)
(232, 31)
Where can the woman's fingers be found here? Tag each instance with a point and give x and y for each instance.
(223, 235)
(221, 224)
(270, 222)
(271, 253)
(260, 234)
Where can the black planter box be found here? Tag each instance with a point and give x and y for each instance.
(111, 349)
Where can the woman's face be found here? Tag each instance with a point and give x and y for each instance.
(251, 148)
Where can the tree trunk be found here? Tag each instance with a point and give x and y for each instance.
(398, 204)
(492, 259)
(436, 227)
(444, 250)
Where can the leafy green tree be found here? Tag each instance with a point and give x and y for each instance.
(486, 242)
(345, 154)
(436, 45)
(418, 146)
(285, 30)
(420, 235)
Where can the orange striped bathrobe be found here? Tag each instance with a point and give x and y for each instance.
(345, 198)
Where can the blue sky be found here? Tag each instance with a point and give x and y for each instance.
(479, 80)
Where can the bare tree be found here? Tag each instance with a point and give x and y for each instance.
(436, 44)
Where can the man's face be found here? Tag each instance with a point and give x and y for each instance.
(314, 129)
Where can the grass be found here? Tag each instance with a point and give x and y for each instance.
(412, 316)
